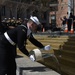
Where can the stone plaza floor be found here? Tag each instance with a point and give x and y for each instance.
(27, 67)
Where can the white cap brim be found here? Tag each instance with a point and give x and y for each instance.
(35, 20)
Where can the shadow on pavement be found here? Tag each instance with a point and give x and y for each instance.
(33, 69)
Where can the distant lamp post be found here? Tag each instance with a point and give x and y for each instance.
(70, 7)
(73, 7)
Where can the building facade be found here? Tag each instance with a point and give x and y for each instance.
(61, 11)
(49, 12)
(63, 8)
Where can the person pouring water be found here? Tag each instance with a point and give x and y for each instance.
(17, 36)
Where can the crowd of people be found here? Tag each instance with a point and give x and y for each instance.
(9, 23)
(69, 21)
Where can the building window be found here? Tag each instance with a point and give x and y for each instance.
(61, 8)
(61, 0)
(53, 19)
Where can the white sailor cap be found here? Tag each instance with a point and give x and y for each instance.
(35, 20)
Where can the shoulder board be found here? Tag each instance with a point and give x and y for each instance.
(23, 26)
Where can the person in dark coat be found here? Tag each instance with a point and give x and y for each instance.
(64, 20)
(16, 36)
